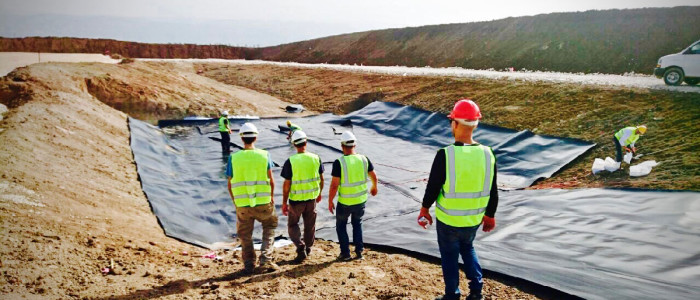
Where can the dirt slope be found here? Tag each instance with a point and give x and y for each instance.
(71, 204)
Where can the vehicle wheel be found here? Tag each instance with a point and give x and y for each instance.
(692, 81)
(673, 76)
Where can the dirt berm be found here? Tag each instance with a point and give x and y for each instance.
(71, 203)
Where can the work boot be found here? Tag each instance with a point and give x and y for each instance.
(358, 256)
(475, 297)
(448, 297)
(308, 252)
(344, 257)
(301, 256)
(268, 267)
(248, 269)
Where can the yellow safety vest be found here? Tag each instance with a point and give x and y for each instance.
(305, 177)
(250, 185)
(353, 179)
(467, 188)
(627, 135)
(222, 124)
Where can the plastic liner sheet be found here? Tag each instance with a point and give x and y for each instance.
(593, 243)
(182, 169)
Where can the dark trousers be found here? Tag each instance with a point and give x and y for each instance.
(354, 213)
(225, 141)
(618, 149)
(453, 243)
(307, 210)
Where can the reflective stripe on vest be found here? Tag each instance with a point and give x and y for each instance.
(627, 135)
(305, 177)
(467, 188)
(222, 125)
(250, 185)
(353, 179)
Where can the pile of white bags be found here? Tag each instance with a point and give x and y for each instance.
(642, 169)
(608, 164)
(611, 165)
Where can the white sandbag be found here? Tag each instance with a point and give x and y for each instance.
(642, 169)
(611, 165)
(627, 158)
(598, 165)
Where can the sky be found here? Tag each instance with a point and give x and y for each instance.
(265, 22)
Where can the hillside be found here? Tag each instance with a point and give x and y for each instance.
(127, 49)
(609, 41)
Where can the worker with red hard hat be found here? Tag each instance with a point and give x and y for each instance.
(462, 183)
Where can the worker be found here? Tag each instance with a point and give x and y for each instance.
(292, 128)
(463, 183)
(225, 131)
(303, 183)
(350, 181)
(251, 187)
(627, 137)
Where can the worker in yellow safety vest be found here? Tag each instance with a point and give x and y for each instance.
(350, 175)
(225, 131)
(462, 183)
(251, 188)
(303, 183)
(627, 137)
(292, 128)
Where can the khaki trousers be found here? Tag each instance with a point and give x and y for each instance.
(246, 217)
(297, 210)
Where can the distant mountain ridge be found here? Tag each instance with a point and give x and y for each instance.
(609, 41)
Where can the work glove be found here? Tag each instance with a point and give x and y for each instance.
(285, 209)
(489, 223)
(424, 213)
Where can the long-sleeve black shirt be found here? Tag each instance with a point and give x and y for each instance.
(437, 180)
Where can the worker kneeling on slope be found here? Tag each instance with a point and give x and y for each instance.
(303, 183)
(251, 187)
(292, 129)
(463, 183)
(350, 174)
(627, 137)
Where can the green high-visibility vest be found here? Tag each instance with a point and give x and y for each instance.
(222, 124)
(627, 135)
(353, 179)
(250, 185)
(305, 178)
(465, 193)
(294, 127)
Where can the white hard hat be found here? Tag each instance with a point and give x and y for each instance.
(224, 113)
(248, 130)
(348, 139)
(298, 137)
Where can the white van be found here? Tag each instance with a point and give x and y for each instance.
(679, 67)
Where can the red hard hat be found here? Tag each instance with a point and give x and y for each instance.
(465, 109)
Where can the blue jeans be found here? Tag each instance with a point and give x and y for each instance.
(453, 242)
(355, 213)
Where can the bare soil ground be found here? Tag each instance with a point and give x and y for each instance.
(71, 203)
(587, 112)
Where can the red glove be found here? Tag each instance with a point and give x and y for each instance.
(424, 213)
(489, 223)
